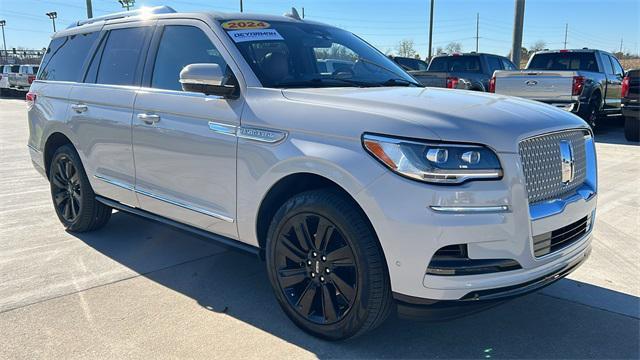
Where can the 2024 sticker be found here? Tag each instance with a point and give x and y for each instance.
(245, 25)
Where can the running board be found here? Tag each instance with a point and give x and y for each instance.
(223, 240)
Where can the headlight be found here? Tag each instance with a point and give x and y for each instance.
(434, 162)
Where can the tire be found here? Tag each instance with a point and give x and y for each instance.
(350, 298)
(592, 112)
(72, 195)
(632, 128)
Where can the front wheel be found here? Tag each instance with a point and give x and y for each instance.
(326, 266)
(592, 112)
(73, 197)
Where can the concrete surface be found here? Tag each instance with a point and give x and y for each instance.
(138, 289)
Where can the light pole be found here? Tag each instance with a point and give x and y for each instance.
(127, 3)
(53, 15)
(4, 42)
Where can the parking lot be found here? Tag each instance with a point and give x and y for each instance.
(139, 289)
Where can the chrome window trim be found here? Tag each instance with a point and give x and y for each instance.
(163, 199)
(470, 209)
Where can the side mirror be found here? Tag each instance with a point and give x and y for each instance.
(207, 79)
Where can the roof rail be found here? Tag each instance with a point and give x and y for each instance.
(124, 14)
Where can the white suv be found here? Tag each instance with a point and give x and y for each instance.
(364, 191)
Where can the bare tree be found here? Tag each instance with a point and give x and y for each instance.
(537, 46)
(406, 48)
(440, 50)
(453, 47)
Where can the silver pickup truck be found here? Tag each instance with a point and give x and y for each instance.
(586, 82)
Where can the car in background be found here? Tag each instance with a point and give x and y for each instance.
(22, 79)
(586, 82)
(4, 77)
(410, 64)
(630, 94)
(334, 66)
(470, 71)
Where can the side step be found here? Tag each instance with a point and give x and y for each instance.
(223, 240)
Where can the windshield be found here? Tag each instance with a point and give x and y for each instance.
(564, 61)
(292, 54)
(455, 63)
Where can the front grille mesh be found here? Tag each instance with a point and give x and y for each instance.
(542, 165)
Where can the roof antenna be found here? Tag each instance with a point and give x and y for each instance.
(294, 14)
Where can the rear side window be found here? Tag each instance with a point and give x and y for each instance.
(120, 56)
(65, 57)
(494, 64)
(180, 46)
(585, 61)
(14, 69)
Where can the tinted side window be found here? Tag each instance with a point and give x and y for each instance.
(617, 68)
(508, 65)
(120, 56)
(180, 46)
(65, 56)
(493, 63)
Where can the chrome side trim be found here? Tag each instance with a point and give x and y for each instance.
(223, 128)
(258, 134)
(184, 206)
(470, 209)
(117, 183)
(34, 148)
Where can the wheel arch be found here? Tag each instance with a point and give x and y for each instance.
(289, 186)
(54, 141)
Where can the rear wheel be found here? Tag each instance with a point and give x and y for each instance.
(326, 266)
(592, 112)
(73, 197)
(632, 128)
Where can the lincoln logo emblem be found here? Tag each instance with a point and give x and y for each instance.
(531, 82)
(566, 157)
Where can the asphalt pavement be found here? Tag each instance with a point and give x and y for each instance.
(139, 289)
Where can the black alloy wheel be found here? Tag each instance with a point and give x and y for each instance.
(316, 268)
(73, 198)
(326, 265)
(65, 188)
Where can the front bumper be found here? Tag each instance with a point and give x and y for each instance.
(411, 232)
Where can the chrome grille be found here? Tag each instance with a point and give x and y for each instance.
(542, 164)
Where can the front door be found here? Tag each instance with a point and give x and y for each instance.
(185, 143)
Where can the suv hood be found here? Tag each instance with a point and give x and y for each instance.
(452, 115)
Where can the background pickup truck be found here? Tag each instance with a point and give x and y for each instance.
(22, 80)
(585, 82)
(631, 105)
(462, 71)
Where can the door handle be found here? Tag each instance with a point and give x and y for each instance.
(79, 108)
(149, 119)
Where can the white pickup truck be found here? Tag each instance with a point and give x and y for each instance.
(22, 79)
(586, 82)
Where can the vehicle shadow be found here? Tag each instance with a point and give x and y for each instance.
(234, 283)
(611, 131)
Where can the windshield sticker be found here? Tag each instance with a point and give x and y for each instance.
(245, 24)
(254, 35)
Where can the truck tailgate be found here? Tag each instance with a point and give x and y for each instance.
(536, 85)
(431, 78)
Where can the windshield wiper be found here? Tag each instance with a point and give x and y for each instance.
(322, 82)
(408, 82)
(399, 82)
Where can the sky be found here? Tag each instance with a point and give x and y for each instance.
(591, 23)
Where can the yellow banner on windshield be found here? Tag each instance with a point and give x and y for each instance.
(245, 24)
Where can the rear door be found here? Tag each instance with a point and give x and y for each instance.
(184, 142)
(614, 84)
(101, 109)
